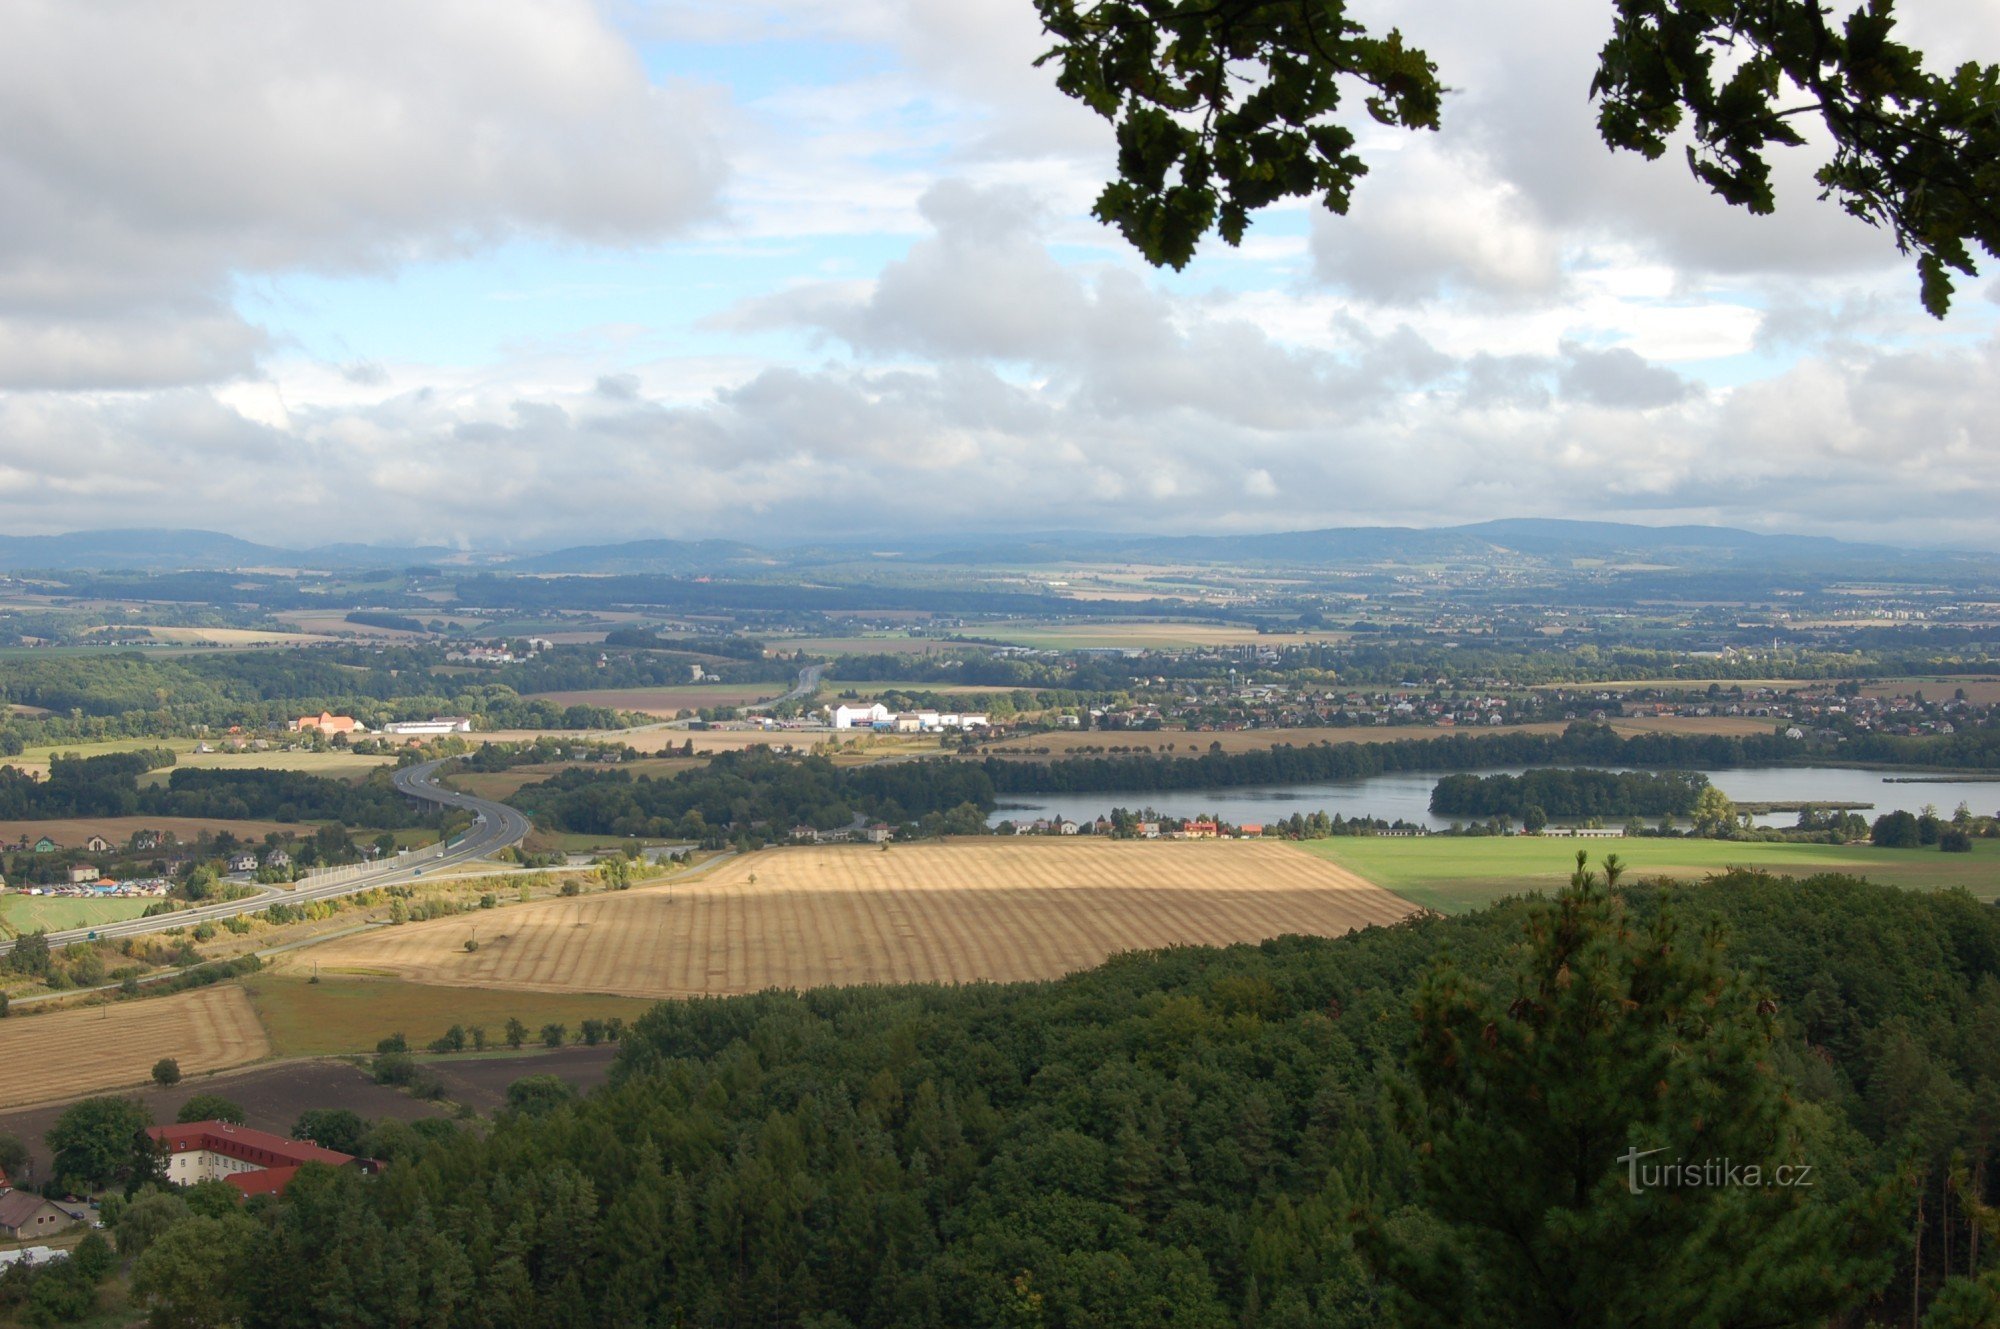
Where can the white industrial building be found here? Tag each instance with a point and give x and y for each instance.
(877, 716)
(438, 724)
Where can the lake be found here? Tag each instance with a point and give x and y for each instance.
(1406, 795)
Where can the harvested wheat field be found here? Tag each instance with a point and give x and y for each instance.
(94, 1048)
(934, 912)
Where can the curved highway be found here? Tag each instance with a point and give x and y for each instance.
(495, 826)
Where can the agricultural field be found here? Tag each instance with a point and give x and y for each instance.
(1193, 743)
(30, 913)
(71, 832)
(1738, 726)
(346, 1012)
(659, 738)
(272, 1098)
(667, 701)
(227, 637)
(859, 645)
(952, 912)
(90, 1049)
(1140, 635)
(334, 763)
(1980, 690)
(502, 785)
(1455, 874)
(834, 690)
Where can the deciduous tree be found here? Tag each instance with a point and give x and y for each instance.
(1223, 107)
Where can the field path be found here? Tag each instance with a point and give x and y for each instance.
(935, 912)
(114, 1046)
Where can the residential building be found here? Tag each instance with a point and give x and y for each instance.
(26, 1216)
(326, 723)
(254, 1162)
(82, 873)
(97, 844)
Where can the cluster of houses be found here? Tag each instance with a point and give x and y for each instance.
(875, 716)
(1824, 708)
(1281, 706)
(329, 724)
(1190, 828)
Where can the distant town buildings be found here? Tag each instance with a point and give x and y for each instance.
(875, 715)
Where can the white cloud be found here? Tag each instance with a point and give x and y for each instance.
(150, 152)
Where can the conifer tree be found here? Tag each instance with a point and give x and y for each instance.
(1576, 1130)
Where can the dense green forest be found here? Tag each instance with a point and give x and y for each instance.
(1420, 1124)
(1570, 793)
(755, 796)
(108, 786)
(1579, 744)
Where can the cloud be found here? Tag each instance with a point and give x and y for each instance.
(151, 154)
(1619, 378)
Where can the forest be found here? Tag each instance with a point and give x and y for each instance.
(1580, 744)
(1306, 1132)
(108, 786)
(754, 796)
(1570, 793)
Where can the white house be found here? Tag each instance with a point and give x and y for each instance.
(859, 717)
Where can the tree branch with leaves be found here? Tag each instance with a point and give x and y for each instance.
(1224, 107)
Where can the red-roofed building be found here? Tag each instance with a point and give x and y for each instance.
(254, 1162)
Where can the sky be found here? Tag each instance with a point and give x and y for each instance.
(556, 272)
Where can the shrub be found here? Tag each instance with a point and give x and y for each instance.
(394, 1068)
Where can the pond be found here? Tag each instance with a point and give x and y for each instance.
(1406, 795)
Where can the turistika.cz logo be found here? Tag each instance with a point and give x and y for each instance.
(1706, 1174)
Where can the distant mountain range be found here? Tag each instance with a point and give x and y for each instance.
(1533, 538)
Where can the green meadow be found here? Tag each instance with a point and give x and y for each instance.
(1454, 874)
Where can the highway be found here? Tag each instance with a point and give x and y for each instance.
(495, 827)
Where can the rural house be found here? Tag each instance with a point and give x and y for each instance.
(254, 1162)
(97, 844)
(26, 1216)
(326, 723)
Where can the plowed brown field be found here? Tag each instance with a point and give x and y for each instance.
(950, 912)
(94, 1048)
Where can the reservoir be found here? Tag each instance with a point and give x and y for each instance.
(1406, 796)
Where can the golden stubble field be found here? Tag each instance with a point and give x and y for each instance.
(948, 912)
(94, 1048)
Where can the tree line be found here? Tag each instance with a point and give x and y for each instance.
(1579, 744)
(1565, 792)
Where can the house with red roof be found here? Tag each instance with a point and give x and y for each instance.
(254, 1162)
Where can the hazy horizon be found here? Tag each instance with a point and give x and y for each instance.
(723, 270)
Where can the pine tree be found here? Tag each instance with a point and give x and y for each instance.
(1543, 1119)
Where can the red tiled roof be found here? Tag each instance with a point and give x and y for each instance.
(240, 1142)
(264, 1181)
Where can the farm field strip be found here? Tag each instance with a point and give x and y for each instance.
(71, 832)
(668, 701)
(952, 912)
(1454, 874)
(95, 1048)
(24, 913)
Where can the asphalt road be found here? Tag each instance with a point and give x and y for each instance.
(495, 827)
